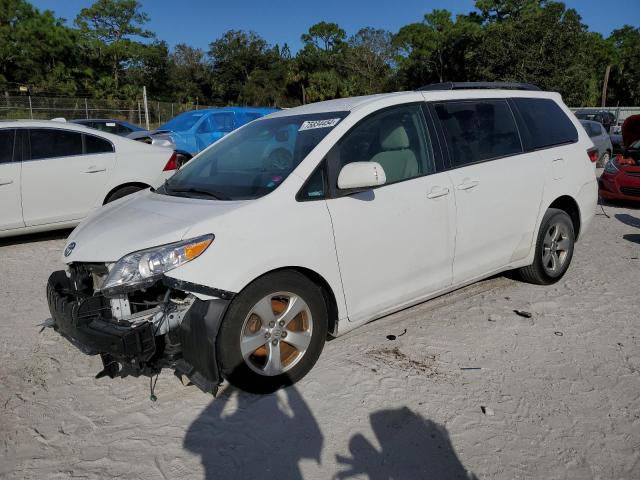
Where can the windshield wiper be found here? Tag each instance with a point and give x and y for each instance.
(197, 191)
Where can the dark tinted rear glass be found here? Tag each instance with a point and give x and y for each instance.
(478, 130)
(546, 123)
(6, 145)
(48, 143)
(97, 145)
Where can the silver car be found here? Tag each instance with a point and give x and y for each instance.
(600, 139)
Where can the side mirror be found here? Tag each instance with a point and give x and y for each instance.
(361, 175)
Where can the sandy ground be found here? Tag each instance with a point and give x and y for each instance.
(471, 389)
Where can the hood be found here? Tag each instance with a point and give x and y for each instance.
(631, 130)
(140, 221)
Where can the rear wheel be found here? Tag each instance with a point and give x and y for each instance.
(554, 249)
(273, 332)
(122, 192)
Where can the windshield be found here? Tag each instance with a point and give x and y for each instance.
(183, 122)
(252, 161)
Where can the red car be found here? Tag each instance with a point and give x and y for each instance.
(621, 177)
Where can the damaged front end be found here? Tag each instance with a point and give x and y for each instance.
(140, 331)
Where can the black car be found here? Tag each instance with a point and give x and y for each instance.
(117, 127)
(607, 119)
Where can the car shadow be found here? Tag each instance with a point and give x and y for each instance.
(628, 219)
(36, 237)
(240, 435)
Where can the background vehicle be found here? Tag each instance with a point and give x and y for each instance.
(600, 139)
(320, 218)
(117, 127)
(193, 131)
(621, 177)
(607, 119)
(53, 174)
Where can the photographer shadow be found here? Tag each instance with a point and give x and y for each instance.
(240, 435)
(410, 447)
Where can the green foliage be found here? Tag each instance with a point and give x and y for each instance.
(108, 53)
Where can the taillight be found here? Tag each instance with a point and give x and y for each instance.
(172, 164)
(593, 154)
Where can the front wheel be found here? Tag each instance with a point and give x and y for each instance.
(273, 332)
(554, 249)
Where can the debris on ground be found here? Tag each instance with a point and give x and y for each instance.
(487, 411)
(393, 337)
(523, 313)
(558, 334)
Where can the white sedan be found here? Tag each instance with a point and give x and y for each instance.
(53, 174)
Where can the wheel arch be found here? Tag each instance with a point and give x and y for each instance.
(140, 185)
(569, 205)
(325, 287)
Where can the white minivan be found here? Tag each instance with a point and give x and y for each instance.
(52, 173)
(312, 221)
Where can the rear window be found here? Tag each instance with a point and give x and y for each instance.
(97, 145)
(6, 145)
(478, 130)
(50, 143)
(546, 123)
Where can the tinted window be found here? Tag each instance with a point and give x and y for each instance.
(546, 123)
(395, 138)
(97, 145)
(48, 143)
(478, 130)
(6, 145)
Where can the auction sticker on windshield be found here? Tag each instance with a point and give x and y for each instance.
(311, 124)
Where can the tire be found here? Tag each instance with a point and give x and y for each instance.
(253, 324)
(552, 257)
(122, 192)
(604, 159)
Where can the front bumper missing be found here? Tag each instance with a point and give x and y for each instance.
(135, 349)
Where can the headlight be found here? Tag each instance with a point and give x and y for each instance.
(145, 267)
(611, 167)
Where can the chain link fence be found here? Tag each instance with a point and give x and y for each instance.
(45, 108)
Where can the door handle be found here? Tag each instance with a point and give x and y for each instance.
(93, 169)
(5, 182)
(468, 184)
(437, 192)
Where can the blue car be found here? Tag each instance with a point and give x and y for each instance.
(195, 130)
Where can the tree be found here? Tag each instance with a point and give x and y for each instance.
(625, 76)
(369, 59)
(244, 65)
(324, 36)
(533, 45)
(113, 29)
(52, 63)
(438, 49)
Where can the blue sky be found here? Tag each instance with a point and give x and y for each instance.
(198, 22)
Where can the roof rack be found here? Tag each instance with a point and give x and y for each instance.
(479, 85)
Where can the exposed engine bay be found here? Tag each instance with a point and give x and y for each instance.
(138, 331)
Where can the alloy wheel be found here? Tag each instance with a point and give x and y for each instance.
(555, 248)
(276, 333)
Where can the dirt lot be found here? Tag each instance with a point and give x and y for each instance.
(470, 389)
